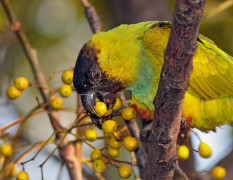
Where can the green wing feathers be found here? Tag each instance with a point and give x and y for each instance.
(209, 98)
(136, 59)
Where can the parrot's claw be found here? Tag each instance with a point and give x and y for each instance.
(183, 123)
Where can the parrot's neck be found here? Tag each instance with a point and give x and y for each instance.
(144, 88)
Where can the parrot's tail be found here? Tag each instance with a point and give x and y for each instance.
(207, 114)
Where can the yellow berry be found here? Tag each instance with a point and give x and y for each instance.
(204, 150)
(67, 77)
(65, 90)
(23, 175)
(128, 113)
(109, 126)
(124, 172)
(113, 143)
(100, 108)
(13, 170)
(131, 143)
(98, 165)
(6, 150)
(108, 137)
(56, 103)
(108, 112)
(114, 152)
(183, 153)
(96, 154)
(13, 92)
(90, 134)
(118, 104)
(21, 83)
(218, 172)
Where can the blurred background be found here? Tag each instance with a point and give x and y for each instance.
(57, 29)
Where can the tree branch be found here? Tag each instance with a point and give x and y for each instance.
(135, 132)
(92, 16)
(174, 80)
(66, 150)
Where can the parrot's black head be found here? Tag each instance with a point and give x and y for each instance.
(90, 82)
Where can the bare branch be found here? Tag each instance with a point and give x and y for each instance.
(174, 80)
(92, 16)
(78, 144)
(135, 132)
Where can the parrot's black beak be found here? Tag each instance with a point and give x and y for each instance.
(89, 100)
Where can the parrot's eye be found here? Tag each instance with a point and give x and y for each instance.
(96, 73)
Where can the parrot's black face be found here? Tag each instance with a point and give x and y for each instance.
(90, 82)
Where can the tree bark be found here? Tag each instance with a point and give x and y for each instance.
(162, 159)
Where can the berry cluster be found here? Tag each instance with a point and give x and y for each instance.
(114, 143)
(204, 151)
(100, 158)
(15, 90)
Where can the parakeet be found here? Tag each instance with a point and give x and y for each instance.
(131, 57)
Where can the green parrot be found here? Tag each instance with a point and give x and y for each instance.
(131, 57)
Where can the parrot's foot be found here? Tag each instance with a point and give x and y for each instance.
(183, 122)
(146, 134)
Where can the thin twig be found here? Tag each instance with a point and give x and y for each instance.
(194, 132)
(135, 132)
(109, 159)
(99, 175)
(79, 138)
(42, 164)
(23, 121)
(217, 9)
(19, 120)
(59, 176)
(180, 171)
(46, 142)
(78, 144)
(33, 148)
(59, 71)
(41, 171)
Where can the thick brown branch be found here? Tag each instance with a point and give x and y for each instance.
(92, 16)
(162, 161)
(67, 151)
